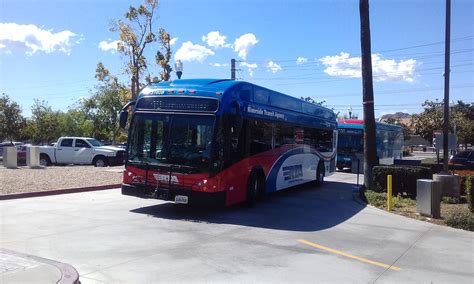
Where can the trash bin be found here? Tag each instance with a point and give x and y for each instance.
(428, 197)
(33, 157)
(10, 157)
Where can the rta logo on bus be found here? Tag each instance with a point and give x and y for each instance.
(166, 178)
(293, 173)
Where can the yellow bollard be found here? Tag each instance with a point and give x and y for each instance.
(389, 192)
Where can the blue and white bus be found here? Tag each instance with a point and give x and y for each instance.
(224, 141)
(351, 142)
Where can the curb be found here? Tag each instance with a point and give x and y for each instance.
(356, 198)
(68, 273)
(58, 191)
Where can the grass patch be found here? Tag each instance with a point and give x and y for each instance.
(461, 219)
(454, 211)
(379, 199)
(450, 200)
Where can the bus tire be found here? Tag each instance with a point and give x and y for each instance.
(320, 174)
(255, 187)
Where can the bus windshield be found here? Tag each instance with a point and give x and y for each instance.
(173, 140)
(350, 140)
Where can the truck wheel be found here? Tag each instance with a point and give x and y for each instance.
(100, 162)
(45, 161)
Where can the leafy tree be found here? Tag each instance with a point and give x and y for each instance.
(11, 120)
(462, 122)
(431, 120)
(313, 101)
(407, 132)
(163, 56)
(105, 106)
(45, 125)
(136, 33)
(74, 122)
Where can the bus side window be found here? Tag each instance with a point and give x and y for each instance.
(236, 139)
(284, 135)
(260, 136)
(323, 140)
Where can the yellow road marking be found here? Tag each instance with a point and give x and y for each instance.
(349, 255)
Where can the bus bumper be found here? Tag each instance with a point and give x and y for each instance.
(179, 196)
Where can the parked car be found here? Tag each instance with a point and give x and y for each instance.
(81, 150)
(463, 158)
(7, 144)
(21, 155)
(20, 150)
(122, 145)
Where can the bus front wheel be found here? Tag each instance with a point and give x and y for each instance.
(320, 175)
(255, 187)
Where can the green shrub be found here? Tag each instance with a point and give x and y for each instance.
(470, 192)
(400, 202)
(461, 219)
(379, 199)
(376, 199)
(403, 179)
(450, 200)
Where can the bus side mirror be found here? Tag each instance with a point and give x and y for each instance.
(123, 118)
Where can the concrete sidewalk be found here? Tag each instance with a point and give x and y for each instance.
(22, 268)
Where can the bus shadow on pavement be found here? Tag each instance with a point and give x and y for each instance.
(303, 208)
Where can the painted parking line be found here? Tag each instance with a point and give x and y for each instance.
(349, 255)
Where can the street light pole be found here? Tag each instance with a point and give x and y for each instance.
(446, 86)
(178, 66)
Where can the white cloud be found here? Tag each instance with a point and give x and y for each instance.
(173, 41)
(243, 44)
(273, 67)
(106, 46)
(219, 64)
(192, 52)
(249, 66)
(215, 40)
(343, 65)
(301, 60)
(34, 39)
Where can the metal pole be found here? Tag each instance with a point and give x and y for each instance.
(232, 69)
(389, 193)
(358, 171)
(446, 87)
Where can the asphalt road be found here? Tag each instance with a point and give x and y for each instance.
(303, 235)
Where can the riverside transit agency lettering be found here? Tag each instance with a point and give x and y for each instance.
(264, 112)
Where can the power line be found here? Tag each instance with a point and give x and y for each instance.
(386, 50)
(311, 76)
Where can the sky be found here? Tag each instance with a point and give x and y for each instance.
(49, 49)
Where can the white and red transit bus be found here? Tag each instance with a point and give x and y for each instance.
(210, 141)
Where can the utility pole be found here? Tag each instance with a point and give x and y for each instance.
(446, 86)
(370, 152)
(232, 69)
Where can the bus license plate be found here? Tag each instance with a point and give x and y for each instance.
(182, 199)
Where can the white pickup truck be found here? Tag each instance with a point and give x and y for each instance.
(81, 150)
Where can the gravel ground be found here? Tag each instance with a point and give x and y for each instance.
(25, 179)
